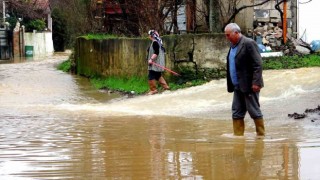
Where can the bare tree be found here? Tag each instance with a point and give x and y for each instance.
(230, 10)
(77, 17)
(138, 16)
(28, 9)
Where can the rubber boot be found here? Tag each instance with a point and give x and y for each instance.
(238, 127)
(153, 87)
(163, 83)
(259, 126)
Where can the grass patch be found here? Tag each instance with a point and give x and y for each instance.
(127, 85)
(291, 62)
(138, 85)
(65, 66)
(100, 36)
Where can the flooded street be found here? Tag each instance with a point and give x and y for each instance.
(56, 126)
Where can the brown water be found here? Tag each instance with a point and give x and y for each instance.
(56, 126)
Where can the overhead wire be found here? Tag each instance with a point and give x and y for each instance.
(304, 2)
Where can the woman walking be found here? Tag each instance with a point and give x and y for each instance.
(156, 55)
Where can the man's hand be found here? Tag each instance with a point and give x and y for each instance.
(150, 62)
(255, 88)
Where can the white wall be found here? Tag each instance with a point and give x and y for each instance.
(308, 20)
(42, 43)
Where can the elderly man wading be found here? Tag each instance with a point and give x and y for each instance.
(244, 79)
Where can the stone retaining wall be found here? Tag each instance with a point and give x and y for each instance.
(127, 57)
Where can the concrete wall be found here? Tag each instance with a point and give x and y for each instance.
(127, 57)
(41, 41)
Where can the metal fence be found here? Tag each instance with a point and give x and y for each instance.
(5, 44)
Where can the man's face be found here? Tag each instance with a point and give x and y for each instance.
(233, 37)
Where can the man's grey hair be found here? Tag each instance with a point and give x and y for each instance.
(233, 26)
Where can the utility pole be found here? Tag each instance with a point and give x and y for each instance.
(4, 11)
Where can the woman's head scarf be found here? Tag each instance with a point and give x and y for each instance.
(156, 36)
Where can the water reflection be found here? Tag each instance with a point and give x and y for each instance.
(73, 145)
(15, 60)
(309, 159)
(246, 167)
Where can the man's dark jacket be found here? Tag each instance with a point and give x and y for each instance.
(248, 66)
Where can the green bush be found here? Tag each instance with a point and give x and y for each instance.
(37, 24)
(12, 21)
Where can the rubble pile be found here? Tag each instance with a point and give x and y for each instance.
(268, 35)
(290, 48)
(269, 38)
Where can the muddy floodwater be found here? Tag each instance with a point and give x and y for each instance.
(57, 126)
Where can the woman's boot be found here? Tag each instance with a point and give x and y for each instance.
(153, 87)
(163, 83)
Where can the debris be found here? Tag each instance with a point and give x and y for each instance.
(315, 45)
(297, 116)
(270, 35)
(306, 113)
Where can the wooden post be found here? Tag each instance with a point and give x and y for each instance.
(284, 21)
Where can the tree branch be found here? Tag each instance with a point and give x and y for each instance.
(237, 10)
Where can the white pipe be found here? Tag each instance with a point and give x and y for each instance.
(298, 20)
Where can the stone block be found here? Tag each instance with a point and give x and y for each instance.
(275, 14)
(275, 20)
(263, 20)
(264, 6)
(289, 14)
(259, 13)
